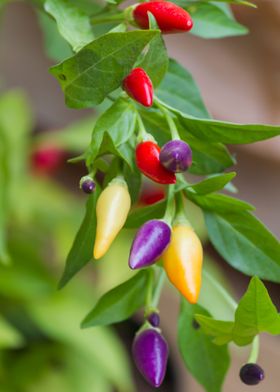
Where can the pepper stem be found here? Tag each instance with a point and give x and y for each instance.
(170, 208)
(158, 289)
(142, 133)
(149, 295)
(103, 19)
(254, 350)
(172, 126)
(180, 211)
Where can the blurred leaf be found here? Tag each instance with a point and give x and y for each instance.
(207, 362)
(245, 243)
(74, 137)
(73, 24)
(15, 124)
(106, 61)
(9, 336)
(254, 314)
(179, 90)
(212, 184)
(119, 303)
(57, 48)
(210, 21)
(81, 252)
(59, 318)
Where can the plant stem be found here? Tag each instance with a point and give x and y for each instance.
(150, 290)
(254, 350)
(172, 126)
(142, 134)
(170, 208)
(158, 289)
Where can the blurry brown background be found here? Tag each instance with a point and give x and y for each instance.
(240, 81)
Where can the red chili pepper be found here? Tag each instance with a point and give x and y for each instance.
(46, 159)
(170, 17)
(139, 86)
(147, 160)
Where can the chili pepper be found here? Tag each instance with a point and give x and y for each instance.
(154, 319)
(112, 208)
(152, 195)
(139, 86)
(251, 374)
(46, 159)
(170, 17)
(147, 160)
(149, 243)
(150, 353)
(176, 156)
(87, 184)
(183, 261)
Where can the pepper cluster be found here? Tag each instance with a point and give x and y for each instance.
(170, 238)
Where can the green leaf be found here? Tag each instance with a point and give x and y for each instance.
(155, 61)
(218, 202)
(255, 314)
(139, 216)
(212, 184)
(81, 252)
(212, 22)
(114, 127)
(56, 47)
(179, 90)
(73, 24)
(119, 303)
(245, 243)
(9, 336)
(99, 68)
(207, 362)
(15, 124)
(214, 131)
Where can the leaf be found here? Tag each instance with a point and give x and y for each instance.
(212, 184)
(207, 362)
(179, 90)
(139, 216)
(116, 125)
(211, 22)
(155, 61)
(255, 314)
(15, 124)
(99, 68)
(245, 243)
(119, 303)
(81, 252)
(73, 24)
(56, 47)
(9, 336)
(214, 131)
(219, 203)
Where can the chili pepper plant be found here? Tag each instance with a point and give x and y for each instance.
(153, 123)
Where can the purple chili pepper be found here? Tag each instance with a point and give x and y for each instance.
(251, 374)
(149, 243)
(154, 319)
(176, 156)
(150, 353)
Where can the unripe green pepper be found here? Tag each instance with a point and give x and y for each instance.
(112, 208)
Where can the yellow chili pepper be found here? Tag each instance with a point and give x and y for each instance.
(183, 261)
(112, 208)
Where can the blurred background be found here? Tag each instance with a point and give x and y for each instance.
(41, 345)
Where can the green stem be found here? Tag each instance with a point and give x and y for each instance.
(254, 350)
(180, 216)
(142, 133)
(158, 289)
(103, 19)
(149, 295)
(172, 126)
(170, 208)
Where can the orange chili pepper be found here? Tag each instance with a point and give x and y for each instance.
(183, 261)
